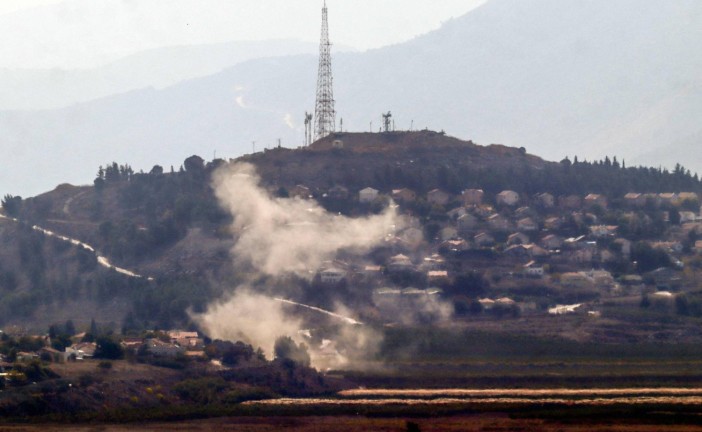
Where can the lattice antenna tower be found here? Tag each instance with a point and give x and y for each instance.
(324, 114)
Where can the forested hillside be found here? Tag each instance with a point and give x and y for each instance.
(167, 226)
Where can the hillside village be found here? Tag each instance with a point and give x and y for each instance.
(579, 249)
(593, 267)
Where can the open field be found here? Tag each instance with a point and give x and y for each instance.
(494, 422)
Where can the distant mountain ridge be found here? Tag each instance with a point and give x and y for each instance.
(32, 89)
(558, 77)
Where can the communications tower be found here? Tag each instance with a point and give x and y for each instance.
(324, 114)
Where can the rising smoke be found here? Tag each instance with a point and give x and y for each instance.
(277, 237)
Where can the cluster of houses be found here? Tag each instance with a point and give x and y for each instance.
(568, 241)
(169, 344)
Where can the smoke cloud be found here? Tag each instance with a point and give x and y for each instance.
(249, 317)
(278, 236)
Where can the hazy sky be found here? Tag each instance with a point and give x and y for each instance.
(86, 33)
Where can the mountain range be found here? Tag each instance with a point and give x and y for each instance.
(587, 78)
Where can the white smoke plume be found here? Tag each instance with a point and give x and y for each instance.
(281, 236)
(278, 236)
(249, 317)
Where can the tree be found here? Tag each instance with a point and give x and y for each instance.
(108, 348)
(285, 348)
(12, 204)
(194, 164)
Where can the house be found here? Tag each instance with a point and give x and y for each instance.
(553, 223)
(570, 202)
(698, 247)
(669, 246)
(433, 262)
(455, 245)
(517, 239)
(634, 199)
(668, 198)
(601, 231)
(404, 195)
(688, 196)
(332, 275)
(592, 200)
(664, 278)
(507, 197)
(400, 263)
(367, 195)
(437, 276)
(338, 192)
(505, 301)
(177, 335)
(467, 222)
(438, 197)
(23, 356)
(487, 303)
(472, 197)
(132, 343)
(534, 270)
(687, 216)
(484, 239)
(186, 339)
(372, 271)
(81, 350)
(163, 349)
(527, 224)
(545, 200)
(498, 222)
(552, 242)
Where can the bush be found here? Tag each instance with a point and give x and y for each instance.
(201, 390)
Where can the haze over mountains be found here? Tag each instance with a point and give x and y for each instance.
(592, 78)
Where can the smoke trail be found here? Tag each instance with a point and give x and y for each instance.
(343, 318)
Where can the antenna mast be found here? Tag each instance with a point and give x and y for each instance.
(308, 128)
(386, 121)
(324, 114)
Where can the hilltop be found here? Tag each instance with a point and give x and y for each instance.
(167, 225)
(357, 160)
(557, 77)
